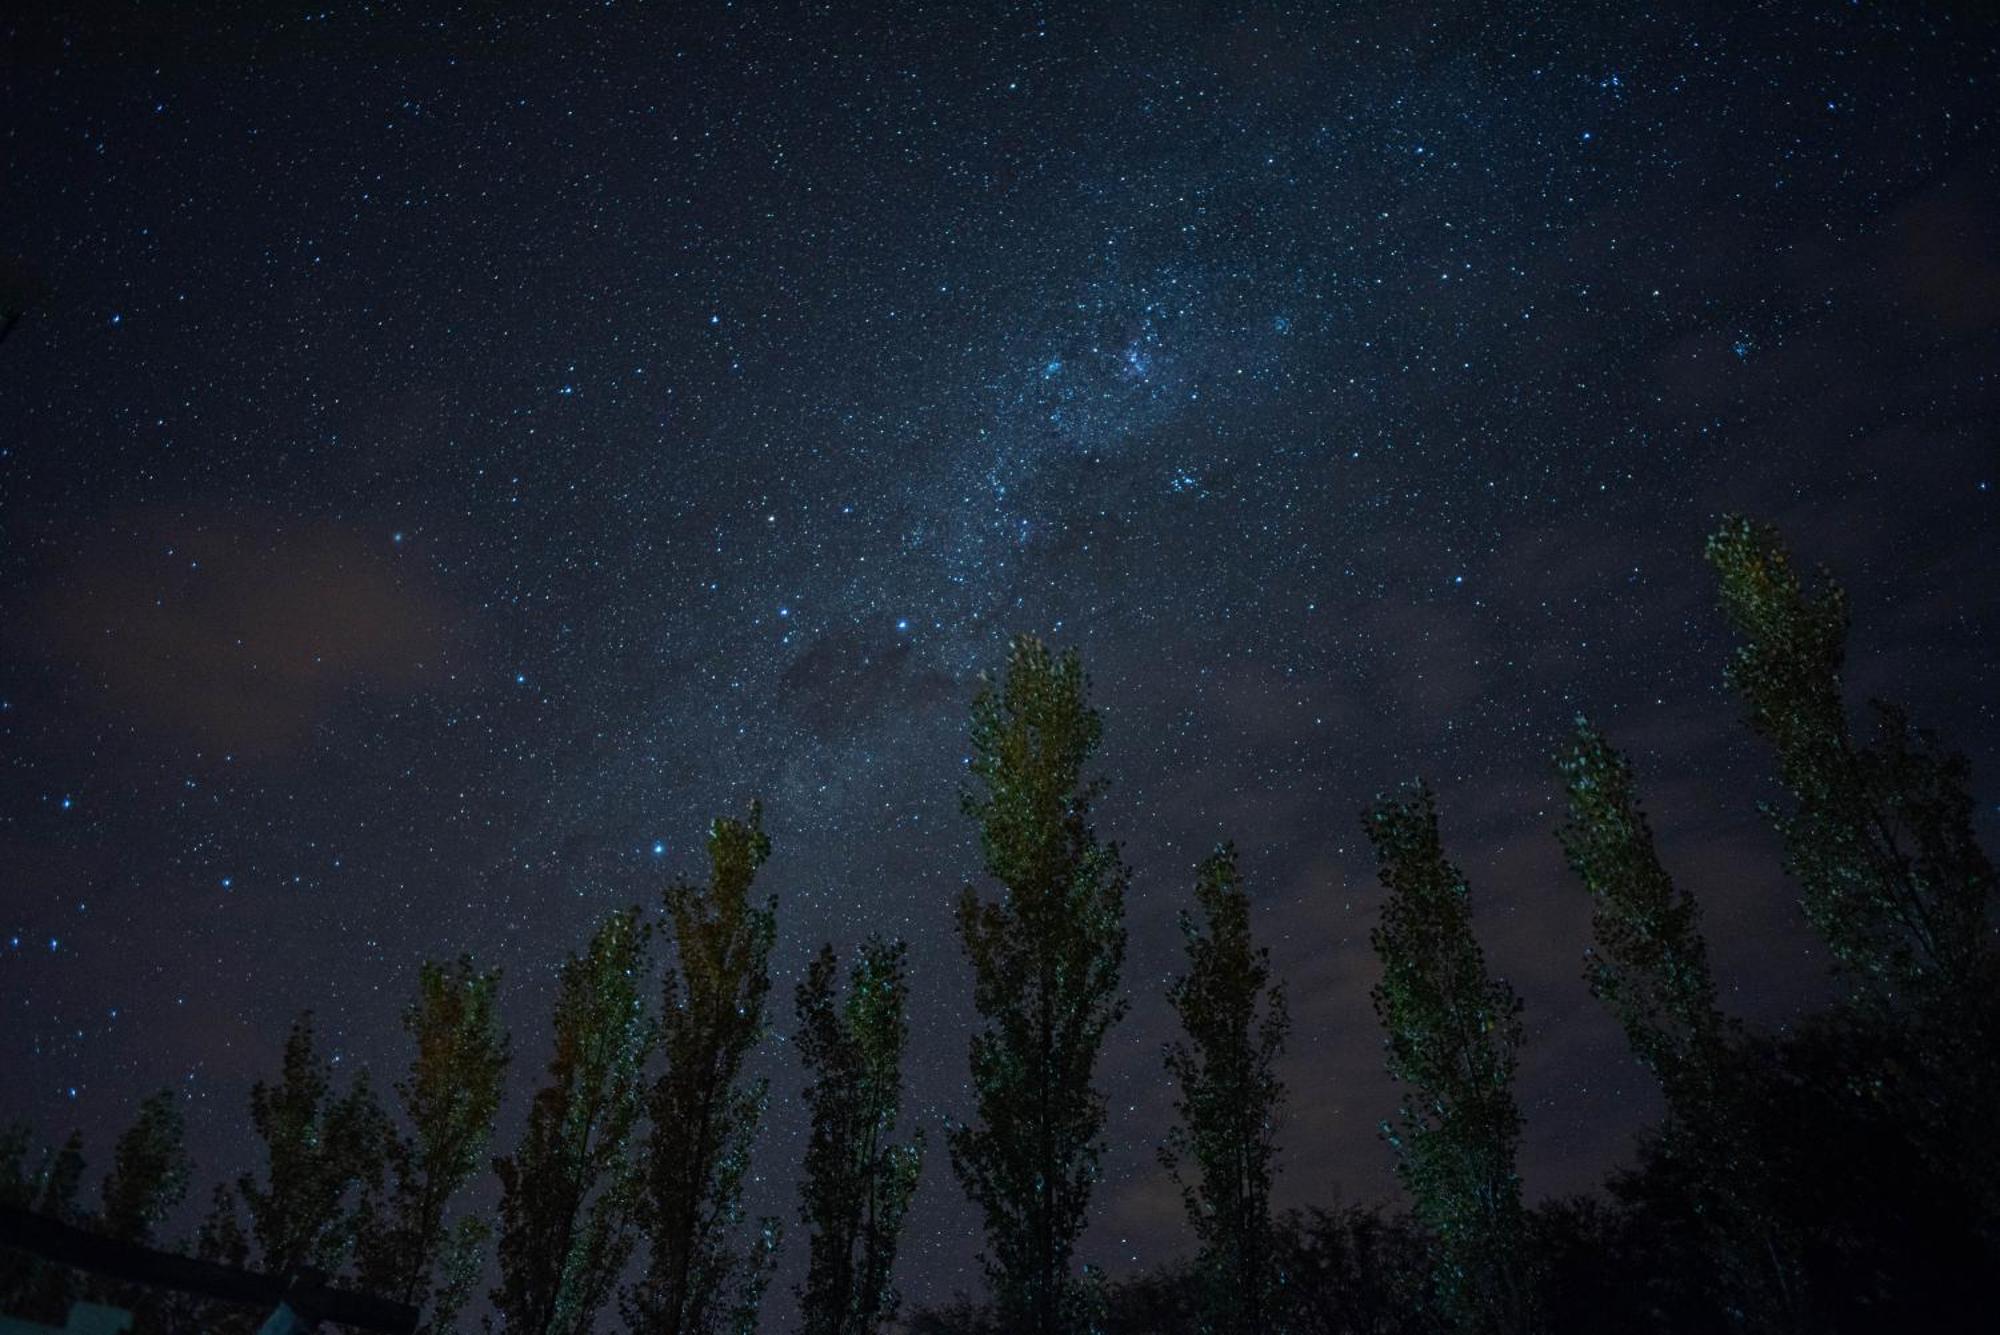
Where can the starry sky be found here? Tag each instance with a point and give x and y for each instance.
(449, 455)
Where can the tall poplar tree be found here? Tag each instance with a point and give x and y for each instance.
(1453, 1033)
(410, 1252)
(323, 1159)
(858, 1182)
(700, 1277)
(1879, 837)
(1650, 967)
(1235, 1020)
(569, 1190)
(1046, 957)
(1649, 964)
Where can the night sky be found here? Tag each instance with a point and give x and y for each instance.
(449, 458)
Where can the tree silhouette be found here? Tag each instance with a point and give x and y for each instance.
(449, 1097)
(1452, 1037)
(698, 1277)
(1880, 838)
(569, 1190)
(323, 1161)
(1046, 957)
(1650, 967)
(1235, 1021)
(149, 1171)
(857, 1184)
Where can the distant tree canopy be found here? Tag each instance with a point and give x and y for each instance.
(1838, 1178)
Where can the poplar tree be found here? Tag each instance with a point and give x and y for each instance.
(323, 1161)
(1649, 965)
(411, 1253)
(857, 1183)
(1046, 956)
(1235, 1020)
(1453, 1033)
(1879, 837)
(149, 1171)
(699, 1277)
(568, 1192)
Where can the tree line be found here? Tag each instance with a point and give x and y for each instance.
(1840, 1176)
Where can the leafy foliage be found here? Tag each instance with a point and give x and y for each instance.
(1880, 838)
(1650, 966)
(1235, 1019)
(449, 1097)
(149, 1171)
(857, 1183)
(147, 1180)
(1046, 957)
(1452, 1037)
(323, 1161)
(1351, 1271)
(704, 1116)
(568, 1192)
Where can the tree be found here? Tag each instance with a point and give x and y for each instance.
(323, 1161)
(569, 1190)
(1235, 1020)
(704, 1115)
(29, 1286)
(1880, 838)
(1650, 966)
(1351, 1270)
(147, 1180)
(449, 1098)
(857, 1183)
(1046, 957)
(220, 1238)
(149, 1171)
(1453, 1033)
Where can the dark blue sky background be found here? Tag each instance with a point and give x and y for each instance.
(452, 455)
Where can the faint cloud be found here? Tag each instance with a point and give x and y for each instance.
(238, 633)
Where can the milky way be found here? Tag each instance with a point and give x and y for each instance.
(444, 462)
